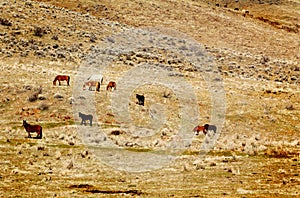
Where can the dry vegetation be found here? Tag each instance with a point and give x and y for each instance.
(255, 47)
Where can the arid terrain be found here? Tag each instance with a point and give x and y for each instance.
(250, 47)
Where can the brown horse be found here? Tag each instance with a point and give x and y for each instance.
(91, 84)
(33, 128)
(111, 85)
(61, 78)
(199, 128)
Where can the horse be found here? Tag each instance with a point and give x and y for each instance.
(111, 85)
(61, 78)
(91, 84)
(96, 77)
(199, 128)
(141, 99)
(33, 128)
(85, 117)
(209, 127)
(205, 129)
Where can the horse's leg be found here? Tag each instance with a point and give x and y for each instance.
(215, 129)
(40, 134)
(59, 82)
(91, 122)
(29, 136)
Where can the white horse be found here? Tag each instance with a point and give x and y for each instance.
(96, 77)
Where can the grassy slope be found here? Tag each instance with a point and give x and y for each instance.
(255, 109)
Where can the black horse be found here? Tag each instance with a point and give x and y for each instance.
(210, 128)
(85, 117)
(141, 99)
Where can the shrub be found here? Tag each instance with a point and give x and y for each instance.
(33, 97)
(38, 31)
(43, 106)
(5, 22)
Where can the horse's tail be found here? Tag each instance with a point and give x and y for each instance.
(98, 86)
(68, 80)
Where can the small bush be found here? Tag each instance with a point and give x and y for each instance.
(43, 106)
(33, 97)
(5, 22)
(38, 31)
(35, 94)
(93, 38)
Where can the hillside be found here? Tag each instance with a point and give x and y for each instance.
(246, 50)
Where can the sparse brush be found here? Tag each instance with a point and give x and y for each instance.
(35, 94)
(55, 37)
(33, 97)
(5, 22)
(93, 38)
(280, 153)
(39, 91)
(38, 31)
(43, 106)
(290, 107)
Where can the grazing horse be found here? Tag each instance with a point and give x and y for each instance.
(209, 127)
(85, 117)
(199, 128)
(111, 85)
(141, 99)
(61, 78)
(91, 84)
(204, 129)
(33, 128)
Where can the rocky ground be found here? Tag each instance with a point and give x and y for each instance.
(254, 46)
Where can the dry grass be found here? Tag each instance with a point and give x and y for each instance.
(257, 153)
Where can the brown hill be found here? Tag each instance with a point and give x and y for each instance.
(254, 47)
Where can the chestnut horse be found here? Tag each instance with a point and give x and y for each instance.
(33, 128)
(61, 78)
(91, 84)
(199, 128)
(111, 85)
